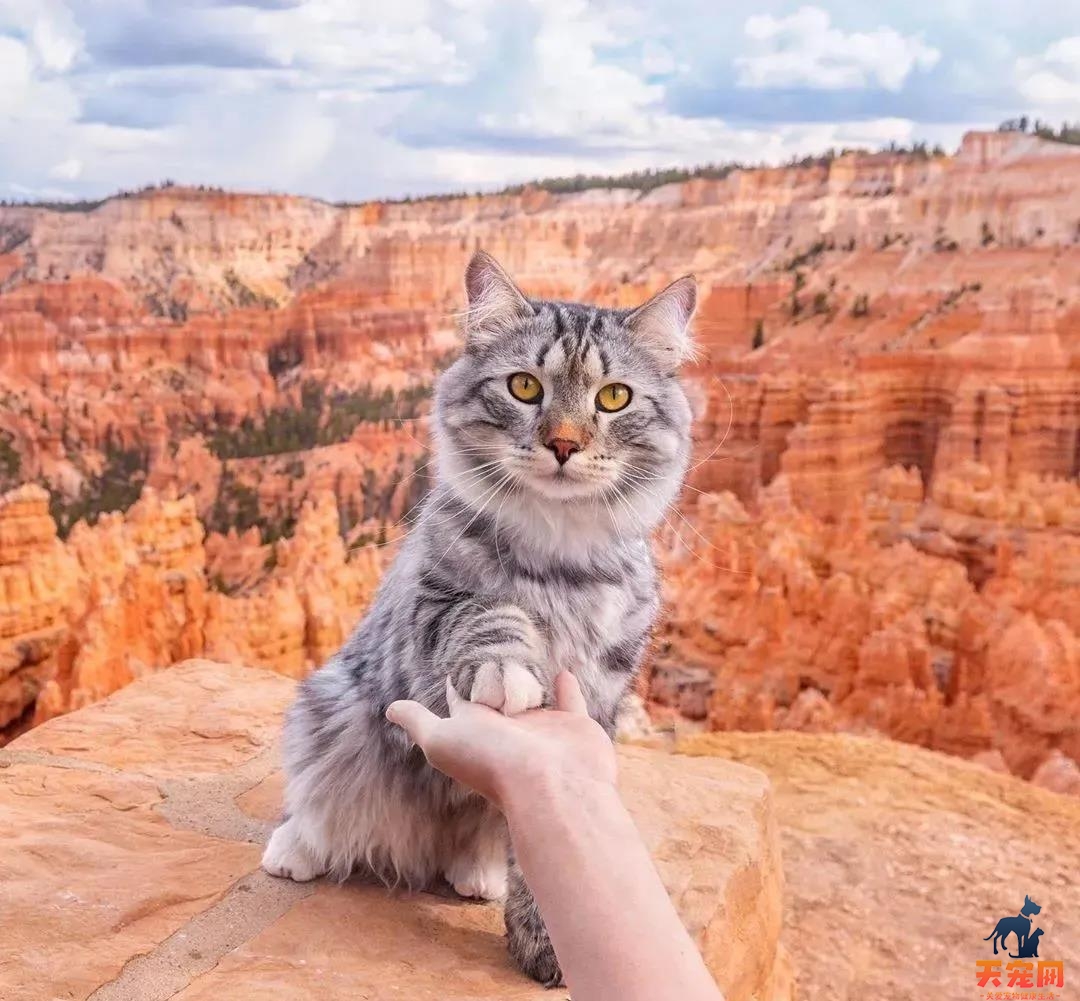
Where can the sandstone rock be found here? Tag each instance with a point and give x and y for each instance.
(96, 876)
(993, 760)
(810, 624)
(1059, 774)
(908, 857)
(39, 588)
(194, 719)
(131, 594)
(129, 853)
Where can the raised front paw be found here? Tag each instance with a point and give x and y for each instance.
(507, 685)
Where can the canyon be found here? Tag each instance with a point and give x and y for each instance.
(213, 429)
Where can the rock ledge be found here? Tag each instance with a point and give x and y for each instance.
(131, 840)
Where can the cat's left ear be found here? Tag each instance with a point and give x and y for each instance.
(663, 323)
(496, 304)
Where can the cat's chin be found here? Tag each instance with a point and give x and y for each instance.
(562, 488)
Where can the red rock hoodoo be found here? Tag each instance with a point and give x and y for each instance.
(881, 530)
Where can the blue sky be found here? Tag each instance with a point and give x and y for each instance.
(350, 99)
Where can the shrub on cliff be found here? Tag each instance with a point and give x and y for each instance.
(320, 419)
(1068, 133)
(10, 462)
(115, 488)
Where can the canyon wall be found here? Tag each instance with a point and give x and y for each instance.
(213, 417)
(146, 588)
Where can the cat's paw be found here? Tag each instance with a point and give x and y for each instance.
(471, 877)
(506, 685)
(287, 856)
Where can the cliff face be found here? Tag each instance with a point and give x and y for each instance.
(135, 592)
(881, 523)
(38, 591)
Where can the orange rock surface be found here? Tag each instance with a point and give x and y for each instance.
(163, 782)
(911, 854)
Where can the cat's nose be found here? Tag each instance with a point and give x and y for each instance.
(563, 448)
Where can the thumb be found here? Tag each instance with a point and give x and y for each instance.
(568, 695)
(416, 720)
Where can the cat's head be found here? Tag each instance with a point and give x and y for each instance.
(567, 405)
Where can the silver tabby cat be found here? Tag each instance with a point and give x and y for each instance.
(561, 435)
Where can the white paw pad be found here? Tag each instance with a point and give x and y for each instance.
(287, 856)
(508, 686)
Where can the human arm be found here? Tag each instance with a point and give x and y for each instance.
(552, 773)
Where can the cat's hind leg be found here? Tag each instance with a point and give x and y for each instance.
(289, 856)
(526, 934)
(476, 854)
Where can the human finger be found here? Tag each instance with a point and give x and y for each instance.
(568, 695)
(453, 700)
(416, 720)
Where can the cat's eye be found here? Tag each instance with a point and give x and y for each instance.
(525, 387)
(613, 397)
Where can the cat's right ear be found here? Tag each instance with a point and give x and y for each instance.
(495, 303)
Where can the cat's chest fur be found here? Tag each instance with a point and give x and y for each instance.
(576, 624)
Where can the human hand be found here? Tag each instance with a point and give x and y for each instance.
(501, 756)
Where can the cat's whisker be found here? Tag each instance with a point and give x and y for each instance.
(486, 497)
(727, 430)
(473, 475)
(466, 451)
(470, 477)
(659, 479)
(694, 529)
(498, 555)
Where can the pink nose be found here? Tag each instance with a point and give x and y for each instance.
(563, 448)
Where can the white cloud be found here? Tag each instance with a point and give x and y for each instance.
(66, 170)
(1051, 81)
(16, 71)
(48, 27)
(360, 98)
(567, 90)
(805, 50)
(657, 59)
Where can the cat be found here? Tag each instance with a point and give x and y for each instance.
(1029, 948)
(561, 435)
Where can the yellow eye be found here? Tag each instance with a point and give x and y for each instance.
(525, 387)
(613, 397)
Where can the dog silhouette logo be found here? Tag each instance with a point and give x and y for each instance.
(1021, 966)
(1020, 926)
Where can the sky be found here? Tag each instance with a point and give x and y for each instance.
(351, 99)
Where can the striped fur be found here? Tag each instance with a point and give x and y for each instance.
(518, 567)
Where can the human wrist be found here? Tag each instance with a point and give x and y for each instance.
(548, 792)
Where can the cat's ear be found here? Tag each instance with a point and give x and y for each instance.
(663, 323)
(495, 302)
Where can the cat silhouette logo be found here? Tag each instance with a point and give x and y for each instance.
(1020, 932)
